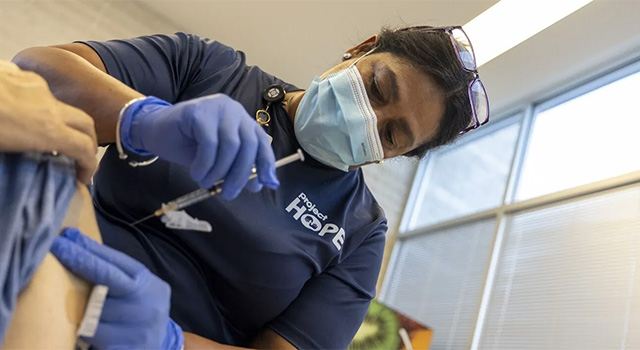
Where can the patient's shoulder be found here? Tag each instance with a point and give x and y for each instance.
(52, 306)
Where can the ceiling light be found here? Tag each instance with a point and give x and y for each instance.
(510, 22)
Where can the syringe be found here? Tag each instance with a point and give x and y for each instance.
(204, 193)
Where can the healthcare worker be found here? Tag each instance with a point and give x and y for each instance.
(293, 262)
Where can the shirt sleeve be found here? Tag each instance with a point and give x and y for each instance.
(332, 305)
(35, 192)
(166, 66)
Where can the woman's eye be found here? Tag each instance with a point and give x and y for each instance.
(389, 136)
(375, 89)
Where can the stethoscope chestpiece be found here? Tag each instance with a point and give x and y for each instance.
(272, 94)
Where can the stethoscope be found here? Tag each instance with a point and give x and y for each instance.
(272, 94)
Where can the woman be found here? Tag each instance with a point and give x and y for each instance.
(289, 268)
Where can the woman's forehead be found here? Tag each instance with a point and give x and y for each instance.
(420, 101)
(413, 83)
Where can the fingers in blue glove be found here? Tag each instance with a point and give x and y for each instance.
(240, 170)
(221, 144)
(96, 263)
(254, 185)
(174, 338)
(212, 135)
(110, 336)
(126, 263)
(228, 149)
(136, 311)
(121, 310)
(206, 134)
(265, 161)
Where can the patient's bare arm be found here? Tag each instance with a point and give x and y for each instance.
(50, 309)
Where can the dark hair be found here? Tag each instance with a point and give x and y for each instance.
(432, 53)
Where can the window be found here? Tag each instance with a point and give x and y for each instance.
(468, 178)
(568, 277)
(496, 253)
(583, 140)
(438, 279)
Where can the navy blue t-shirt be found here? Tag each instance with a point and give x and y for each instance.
(302, 260)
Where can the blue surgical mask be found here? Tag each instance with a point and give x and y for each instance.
(335, 122)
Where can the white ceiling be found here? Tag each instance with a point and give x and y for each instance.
(296, 40)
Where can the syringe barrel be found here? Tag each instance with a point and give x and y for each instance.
(203, 193)
(192, 198)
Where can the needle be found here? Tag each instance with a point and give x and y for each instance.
(203, 193)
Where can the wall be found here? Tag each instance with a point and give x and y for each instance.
(34, 23)
(297, 40)
(390, 182)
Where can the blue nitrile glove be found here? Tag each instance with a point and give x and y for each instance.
(136, 311)
(213, 136)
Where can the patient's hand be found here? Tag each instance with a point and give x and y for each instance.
(32, 119)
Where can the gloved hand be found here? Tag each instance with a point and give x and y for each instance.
(213, 136)
(136, 310)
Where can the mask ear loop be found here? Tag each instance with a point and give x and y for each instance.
(361, 57)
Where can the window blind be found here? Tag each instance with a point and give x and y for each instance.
(567, 277)
(438, 279)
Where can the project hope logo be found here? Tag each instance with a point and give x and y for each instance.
(310, 217)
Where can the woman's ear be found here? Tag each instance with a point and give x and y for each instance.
(363, 47)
